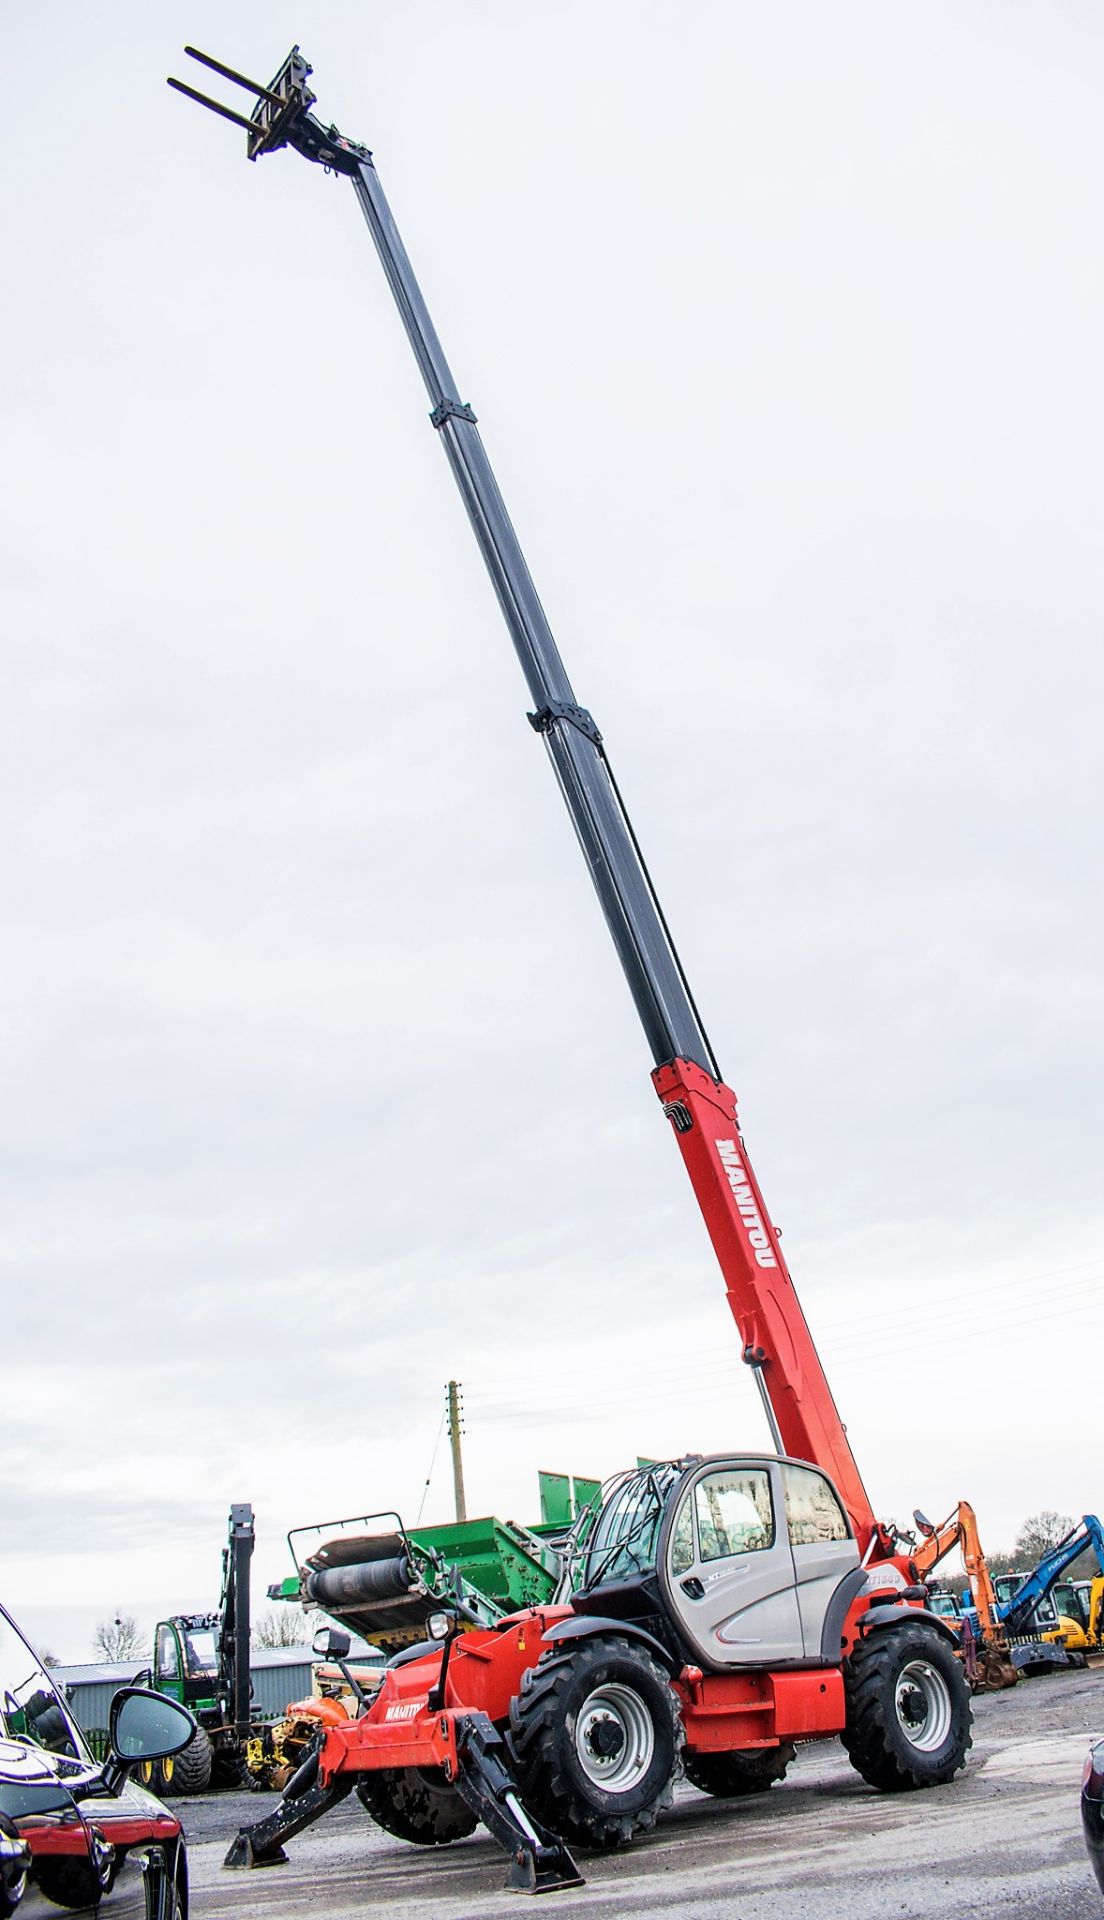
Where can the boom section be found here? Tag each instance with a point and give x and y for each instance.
(776, 1338)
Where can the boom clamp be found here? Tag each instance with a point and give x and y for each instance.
(545, 719)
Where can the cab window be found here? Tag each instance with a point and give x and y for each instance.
(733, 1513)
(168, 1663)
(813, 1513)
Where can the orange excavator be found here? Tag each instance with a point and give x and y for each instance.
(988, 1660)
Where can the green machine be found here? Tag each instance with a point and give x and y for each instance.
(486, 1567)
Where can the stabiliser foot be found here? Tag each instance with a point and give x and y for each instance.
(261, 1844)
(539, 1861)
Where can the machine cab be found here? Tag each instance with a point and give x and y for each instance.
(746, 1560)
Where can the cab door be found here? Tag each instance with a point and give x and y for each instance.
(168, 1674)
(728, 1566)
(824, 1550)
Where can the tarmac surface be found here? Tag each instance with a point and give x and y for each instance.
(1004, 1839)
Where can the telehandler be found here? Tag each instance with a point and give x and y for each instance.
(718, 1610)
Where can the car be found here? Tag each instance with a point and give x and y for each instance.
(1092, 1809)
(73, 1829)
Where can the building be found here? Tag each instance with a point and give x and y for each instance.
(278, 1675)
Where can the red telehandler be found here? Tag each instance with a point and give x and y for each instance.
(719, 1609)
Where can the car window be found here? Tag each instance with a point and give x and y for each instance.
(31, 1705)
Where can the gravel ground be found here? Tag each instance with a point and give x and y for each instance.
(1005, 1838)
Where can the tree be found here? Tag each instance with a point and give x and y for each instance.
(282, 1627)
(48, 1657)
(1040, 1534)
(120, 1639)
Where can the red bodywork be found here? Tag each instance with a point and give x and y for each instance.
(721, 1712)
(761, 1294)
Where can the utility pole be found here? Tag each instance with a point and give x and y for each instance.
(454, 1418)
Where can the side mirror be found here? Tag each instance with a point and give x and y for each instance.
(330, 1643)
(147, 1726)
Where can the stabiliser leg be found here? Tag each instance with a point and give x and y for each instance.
(539, 1861)
(303, 1802)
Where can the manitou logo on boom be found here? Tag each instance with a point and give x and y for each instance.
(405, 1711)
(745, 1201)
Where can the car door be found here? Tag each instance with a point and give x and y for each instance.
(729, 1569)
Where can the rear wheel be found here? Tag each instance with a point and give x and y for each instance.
(418, 1804)
(908, 1709)
(227, 1768)
(596, 1734)
(730, 1776)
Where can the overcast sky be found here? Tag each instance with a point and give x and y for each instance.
(322, 1084)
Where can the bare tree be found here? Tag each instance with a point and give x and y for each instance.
(282, 1627)
(48, 1657)
(1041, 1534)
(120, 1639)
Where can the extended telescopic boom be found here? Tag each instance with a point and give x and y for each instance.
(702, 1109)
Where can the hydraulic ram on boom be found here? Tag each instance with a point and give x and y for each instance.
(777, 1343)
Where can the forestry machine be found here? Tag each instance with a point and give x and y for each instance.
(202, 1661)
(721, 1609)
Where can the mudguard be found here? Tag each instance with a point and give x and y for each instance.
(877, 1618)
(585, 1626)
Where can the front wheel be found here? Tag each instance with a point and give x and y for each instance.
(596, 1734)
(13, 1869)
(908, 1709)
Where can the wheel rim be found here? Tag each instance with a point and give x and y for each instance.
(167, 1770)
(923, 1702)
(145, 1773)
(614, 1738)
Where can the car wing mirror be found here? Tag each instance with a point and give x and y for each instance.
(144, 1726)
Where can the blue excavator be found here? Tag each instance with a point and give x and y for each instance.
(1024, 1607)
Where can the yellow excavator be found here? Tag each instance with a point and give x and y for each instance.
(1080, 1606)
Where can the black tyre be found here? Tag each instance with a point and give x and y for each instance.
(72, 1883)
(908, 1709)
(416, 1803)
(596, 1735)
(188, 1771)
(227, 1768)
(13, 1874)
(178, 1904)
(729, 1776)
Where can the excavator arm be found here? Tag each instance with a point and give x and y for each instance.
(960, 1529)
(1088, 1533)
